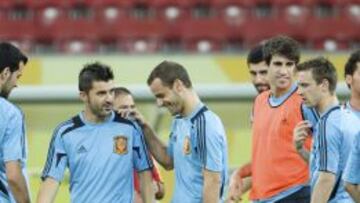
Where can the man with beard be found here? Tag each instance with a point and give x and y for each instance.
(258, 69)
(240, 180)
(100, 148)
(197, 148)
(13, 149)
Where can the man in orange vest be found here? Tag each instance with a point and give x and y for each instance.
(240, 181)
(279, 174)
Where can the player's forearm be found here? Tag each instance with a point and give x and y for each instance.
(211, 188)
(305, 155)
(17, 182)
(146, 190)
(354, 191)
(323, 187)
(48, 190)
(19, 190)
(157, 148)
(247, 182)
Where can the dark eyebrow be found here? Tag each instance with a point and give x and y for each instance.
(159, 95)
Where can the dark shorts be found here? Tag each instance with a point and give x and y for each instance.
(301, 196)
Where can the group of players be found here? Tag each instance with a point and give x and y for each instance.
(305, 145)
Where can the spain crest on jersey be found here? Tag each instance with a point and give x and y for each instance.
(187, 146)
(120, 144)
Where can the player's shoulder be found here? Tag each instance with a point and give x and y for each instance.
(262, 96)
(333, 118)
(125, 121)
(208, 118)
(9, 109)
(68, 126)
(334, 114)
(201, 114)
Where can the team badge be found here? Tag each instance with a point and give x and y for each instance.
(187, 146)
(120, 144)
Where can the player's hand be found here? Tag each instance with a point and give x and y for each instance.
(235, 188)
(132, 114)
(159, 190)
(301, 131)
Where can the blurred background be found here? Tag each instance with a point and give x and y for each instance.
(209, 37)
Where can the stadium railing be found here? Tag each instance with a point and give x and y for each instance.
(208, 92)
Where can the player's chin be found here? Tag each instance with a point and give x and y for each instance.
(172, 112)
(284, 84)
(307, 103)
(262, 88)
(106, 111)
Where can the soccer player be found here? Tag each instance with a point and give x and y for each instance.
(279, 174)
(240, 180)
(100, 148)
(125, 101)
(258, 69)
(13, 145)
(333, 134)
(197, 148)
(351, 174)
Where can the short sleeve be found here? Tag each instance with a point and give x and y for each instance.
(141, 157)
(172, 140)
(351, 173)
(57, 159)
(330, 139)
(14, 141)
(215, 145)
(310, 114)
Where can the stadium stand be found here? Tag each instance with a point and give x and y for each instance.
(147, 26)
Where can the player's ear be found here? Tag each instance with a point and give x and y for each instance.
(325, 84)
(83, 96)
(348, 79)
(178, 85)
(5, 74)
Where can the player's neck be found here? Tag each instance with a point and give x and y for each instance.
(326, 103)
(92, 118)
(355, 102)
(277, 92)
(190, 103)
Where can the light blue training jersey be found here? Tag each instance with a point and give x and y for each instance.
(13, 145)
(351, 173)
(101, 158)
(333, 137)
(197, 142)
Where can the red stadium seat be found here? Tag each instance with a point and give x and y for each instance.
(294, 11)
(339, 29)
(170, 10)
(17, 21)
(215, 31)
(257, 30)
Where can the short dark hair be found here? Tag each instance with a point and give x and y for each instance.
(121, 90)
(321, 68)
(256, 55)
(283, 46)
(94, 72)
(10, 56)
(350, 66)
(168, 72)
